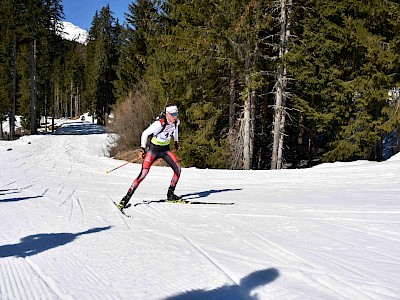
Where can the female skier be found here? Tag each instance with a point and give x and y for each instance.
(162, 131)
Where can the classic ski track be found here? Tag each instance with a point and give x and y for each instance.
(376, 233)
(195, 246)
(324, 219)
(350, 267)
(48, 281)
(119, 213)
(311, 265)
(278, 253)
(50, 200)
(38, 154)
(53, 287)
(17, 278)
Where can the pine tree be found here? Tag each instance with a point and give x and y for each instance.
(345, 64)
(208, 55)
(102, 59)
(36, 27)
(6, 63)
(137, 36)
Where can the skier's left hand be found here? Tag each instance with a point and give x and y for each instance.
(142, 153)
(177, 146)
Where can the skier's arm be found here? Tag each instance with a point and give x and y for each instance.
(176, 135)
(156, 126)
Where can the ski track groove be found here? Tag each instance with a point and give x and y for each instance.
(14, 283)
(120, 214)
(20, 281)
(80, 204)
(312, 265)
(389, 257)
(377, 234)
(325, 217)
(346, 266)
(53, 287)
(195, 246)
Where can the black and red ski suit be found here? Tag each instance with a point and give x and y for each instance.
(159, 148)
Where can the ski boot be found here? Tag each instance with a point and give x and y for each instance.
(124, 202)
(171, 197)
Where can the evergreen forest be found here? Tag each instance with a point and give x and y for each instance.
(260, 84)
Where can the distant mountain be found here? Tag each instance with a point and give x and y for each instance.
(72, 32)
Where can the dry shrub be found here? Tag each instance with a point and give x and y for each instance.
(131, 117)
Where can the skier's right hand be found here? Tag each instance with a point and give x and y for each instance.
(142, 153)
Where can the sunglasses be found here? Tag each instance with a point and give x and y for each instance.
(174, 114)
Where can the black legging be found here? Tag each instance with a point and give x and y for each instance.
(155, 152)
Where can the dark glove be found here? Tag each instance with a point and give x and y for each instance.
(142, 153)
(177, 146)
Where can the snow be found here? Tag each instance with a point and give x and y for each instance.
(6, 124)
(72, 32)
(329, 232)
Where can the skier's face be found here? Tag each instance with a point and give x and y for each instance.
(172, 117)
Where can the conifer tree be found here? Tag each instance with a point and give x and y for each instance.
(344, 63)
(35, 28)
(102, 59)
(142, 20)
(6, 63)
(209, 55)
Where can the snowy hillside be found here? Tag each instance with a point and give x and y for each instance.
(74, 33)
(330, 232)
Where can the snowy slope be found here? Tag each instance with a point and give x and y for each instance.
(72, 32)
(330, 232)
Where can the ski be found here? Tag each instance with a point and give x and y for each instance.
(185, 201)
(122, 211)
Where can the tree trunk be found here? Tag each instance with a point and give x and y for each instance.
(278, 124)
(280, 100)
(246, 134)
(53, 96)
(232, 100)
(71, 100)
(300, 130)
(14, 90)
(33, 85)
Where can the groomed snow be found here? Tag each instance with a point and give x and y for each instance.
(330, 232)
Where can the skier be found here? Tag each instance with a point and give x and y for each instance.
(162, 130)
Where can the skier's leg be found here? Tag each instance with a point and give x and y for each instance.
(171, 159)
(147, 162)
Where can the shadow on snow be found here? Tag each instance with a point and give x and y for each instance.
(9, 191)
(233, 292)
(206, 193)
(192, 196)
(80, 128)
(37, 243)
(19, 199)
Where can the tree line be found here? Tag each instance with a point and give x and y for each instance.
(259, 84)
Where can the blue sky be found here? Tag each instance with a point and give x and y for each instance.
(80, 13)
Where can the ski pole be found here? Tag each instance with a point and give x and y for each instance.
(117, 167)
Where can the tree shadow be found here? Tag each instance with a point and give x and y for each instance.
(204, 194)
(233, 292)
(19, 199)
(37, 243)
(80, 128)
